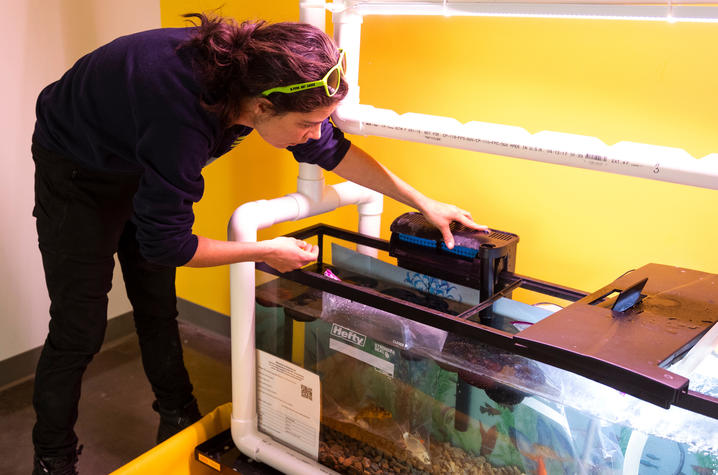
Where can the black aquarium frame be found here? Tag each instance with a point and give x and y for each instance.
(638, 383)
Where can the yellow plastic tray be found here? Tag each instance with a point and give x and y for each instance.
(176, 455)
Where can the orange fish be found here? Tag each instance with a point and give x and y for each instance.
(541, 469)
(540, 465)
(488, 439)
(544, 452)
(492, 411)
(372, 412)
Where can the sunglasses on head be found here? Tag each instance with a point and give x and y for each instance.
(330, 81)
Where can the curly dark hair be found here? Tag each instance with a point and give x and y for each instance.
(239, 61)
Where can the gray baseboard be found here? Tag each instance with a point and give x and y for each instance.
(21, 367)
(18, 368)
(203, 317)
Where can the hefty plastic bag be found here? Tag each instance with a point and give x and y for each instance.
(383, 326)
(413, 287)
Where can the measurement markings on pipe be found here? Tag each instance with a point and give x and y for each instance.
(563, 157)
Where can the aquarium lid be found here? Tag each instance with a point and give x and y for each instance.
(626, 333)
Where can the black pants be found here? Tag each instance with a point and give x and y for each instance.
(83, 218)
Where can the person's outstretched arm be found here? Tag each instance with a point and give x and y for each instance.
(282, 253)
(359, 167)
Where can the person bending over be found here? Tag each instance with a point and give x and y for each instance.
(119, 146)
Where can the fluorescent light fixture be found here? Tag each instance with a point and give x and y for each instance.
(697, 11)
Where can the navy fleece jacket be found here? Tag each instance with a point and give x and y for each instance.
(133, 105)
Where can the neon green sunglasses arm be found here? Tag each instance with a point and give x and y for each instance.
(293, 88)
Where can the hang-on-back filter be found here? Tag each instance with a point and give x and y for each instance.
(476, 261)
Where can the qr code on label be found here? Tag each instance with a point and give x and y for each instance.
(306, 392)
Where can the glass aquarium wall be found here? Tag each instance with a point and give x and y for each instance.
(398, 396)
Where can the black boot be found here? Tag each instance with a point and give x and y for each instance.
(63, 465)
(174, 421)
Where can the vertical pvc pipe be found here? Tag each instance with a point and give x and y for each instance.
(370, 222)
(241, 284)
(370, 206)
(311, 178)
(310, 181)
(634, 452)
(243, 355)
(313, 13)
(347, 35)
(243, 226)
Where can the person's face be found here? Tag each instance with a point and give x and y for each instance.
(291, 128)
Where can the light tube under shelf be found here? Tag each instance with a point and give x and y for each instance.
(670, 12)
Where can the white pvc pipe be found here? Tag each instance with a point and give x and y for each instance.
(243, 226)
(313, 12)
(347, 35)
(634, 452)
(370, 205)
(244, 414)
(311, 179)
(625, 158)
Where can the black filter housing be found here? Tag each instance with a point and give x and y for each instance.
(476, 261)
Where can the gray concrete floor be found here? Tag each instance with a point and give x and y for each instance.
(116, 422)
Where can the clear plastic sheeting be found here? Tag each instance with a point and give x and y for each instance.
(698, 433)
(700, 364)
(703, 379)
(400, 332)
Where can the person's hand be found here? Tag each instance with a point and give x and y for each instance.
(286, 253)
(442, 214)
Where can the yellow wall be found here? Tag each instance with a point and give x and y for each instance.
(655, 83)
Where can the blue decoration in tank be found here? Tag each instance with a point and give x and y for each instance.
(432, 285)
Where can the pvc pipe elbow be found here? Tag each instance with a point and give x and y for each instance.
(250, 217)
(244, 217)
(373, 206)
(314, 205)
(348, 117)
(263, 449)
(347, 14)
(369, 202)
(244, 435)
(344, 122)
